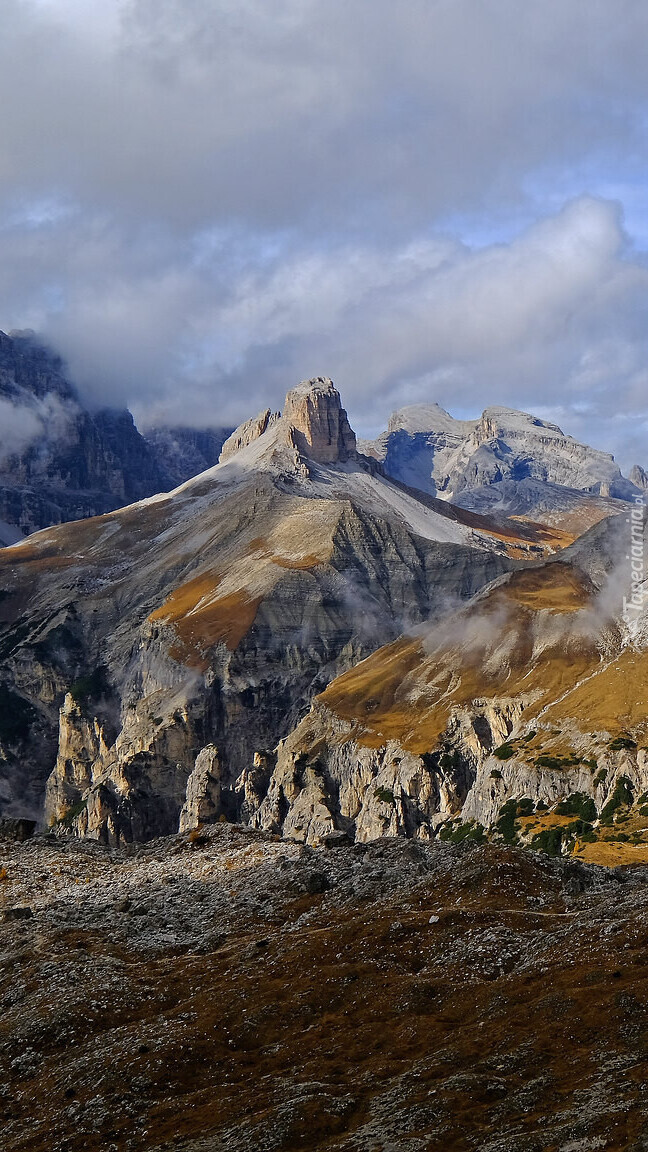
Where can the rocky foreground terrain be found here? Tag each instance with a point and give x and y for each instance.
(229, 990)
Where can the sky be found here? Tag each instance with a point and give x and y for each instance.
(203, 202)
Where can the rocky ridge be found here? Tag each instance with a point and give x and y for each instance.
(523, 716)
(506, 460)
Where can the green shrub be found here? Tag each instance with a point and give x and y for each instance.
(90, 687)
(525, 807)
(541, 806)
(601, 776)
(73, 811)
(589, 837)
(385, 795)
(622, 742)
(548, 762)
(450, 759)
(557, 761)
(504, 752)
(457, 833)
(529, 736)
(496, 774)
(577, 805)
(505, 825)
(579, 828)
(548, 841)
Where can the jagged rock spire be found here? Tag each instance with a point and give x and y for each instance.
(313, 421)
(319, 423)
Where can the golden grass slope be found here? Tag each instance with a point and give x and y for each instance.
(533, 635)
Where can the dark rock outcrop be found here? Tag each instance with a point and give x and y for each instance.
(185, 452)
(60, 462)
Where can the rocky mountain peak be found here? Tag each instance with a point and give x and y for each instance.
(30, 370)
(639, 477)
(318, 422)
(246, 432)
(497, 421)
(507, 460)
(428, 419)
(313, 422)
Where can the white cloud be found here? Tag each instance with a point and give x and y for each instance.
(32, 422)
(202, 201)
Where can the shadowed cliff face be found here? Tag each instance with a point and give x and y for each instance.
(59, 462)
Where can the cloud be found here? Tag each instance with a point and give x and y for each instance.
(19, 427)
(203, 202)
(37, 421)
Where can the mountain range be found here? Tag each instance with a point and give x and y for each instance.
(59, 461)
(418, 636)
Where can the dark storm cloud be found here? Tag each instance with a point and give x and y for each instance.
(201, 202)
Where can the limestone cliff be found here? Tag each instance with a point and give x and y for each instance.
(507, 460)
(313, 423)
(319, 425)
(246, 433)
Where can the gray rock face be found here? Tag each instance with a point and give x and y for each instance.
(507, 699)
(639, 477)
(59, 462)
(479, 464)
(319, 424)
(313, 423)
(185, 452)
(203, 803)
(325, 779)
(247, 432)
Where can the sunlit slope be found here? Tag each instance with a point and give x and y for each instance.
(535, 634)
